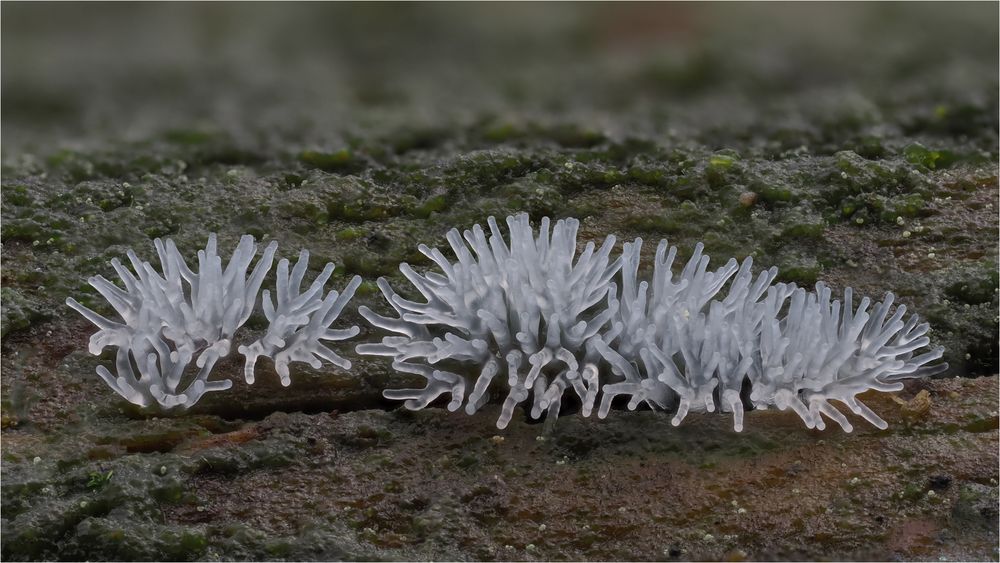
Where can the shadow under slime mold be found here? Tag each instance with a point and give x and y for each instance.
(550, 321)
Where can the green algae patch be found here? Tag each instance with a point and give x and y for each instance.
(723, 161)
(772, 193)
(18, 311)
(361, 206)
(343, 161)
(350, 233)
(571, 135)
(189, 136)
(804, 231)
(804, 276)
(656, 224)
(431, 205)
(976, 285)
(18, 195)
(918, 154)
(908, 206)
(942, 159)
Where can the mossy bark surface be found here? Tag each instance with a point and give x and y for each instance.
(854, 145)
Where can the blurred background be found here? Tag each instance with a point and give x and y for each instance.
(79, 74)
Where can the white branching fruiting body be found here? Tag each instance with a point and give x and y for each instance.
(695, 342)
(676, 343)
(529, 310)
(177, 315)
(824, 350)
(688, 348)
(299, 321)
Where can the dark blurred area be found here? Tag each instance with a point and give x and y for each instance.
(91, 73)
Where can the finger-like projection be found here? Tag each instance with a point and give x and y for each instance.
(696, 342)
(527, 310)
(528, 316)
(173, 316)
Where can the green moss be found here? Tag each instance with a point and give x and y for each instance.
(365, 264)
(292, 181)
(986, 424)
(958, 119)
(803, 276)
(772, 193)
(655, 224)
(856, 177)
(871, 148)
(467, 461)
(868, 209)
(96, 480)
(487, 169)
(350, 233)
(357, 204)
(24, 230)
(18, 311)
(75, 167)
(308, 210)
(367, 288)
(278, 549)
(811, 231)
(164, 225)
(721, 171)
(723, 160)
(571, 135)
(410, 138)
(575, 176)
(648, 175)
(684, 77)
(975, 285)
(916, 153)
(188, 136)
(537, 198)
(908, 206)
(344, 161)
(911, 493)
(502, 131)
(18, 195)
(356, 212)
(431, 205)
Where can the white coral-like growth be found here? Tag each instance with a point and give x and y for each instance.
(177, 315)
(825, 350)
(704, 340)
(160, 372)
(299, 321)
(678, 343)
(687, 348)
(528, 309)
(200, 317)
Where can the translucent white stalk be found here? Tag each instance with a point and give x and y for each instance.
(707, 339)
(525, 306)
(173, 316)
